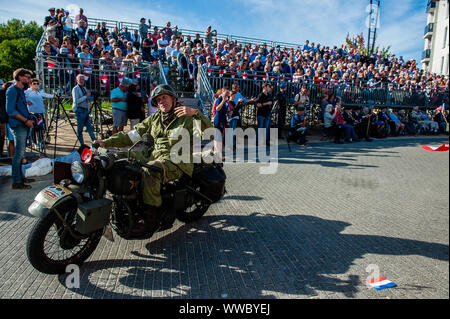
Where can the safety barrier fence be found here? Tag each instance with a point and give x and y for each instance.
(352, 93)
(58, 74)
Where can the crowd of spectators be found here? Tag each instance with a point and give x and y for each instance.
(118, 61)
(340, 124)
(105, 57)
(119, 50)
(309, 63)
(354, 124)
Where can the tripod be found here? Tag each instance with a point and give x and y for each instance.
(98, 116)
(54, 120)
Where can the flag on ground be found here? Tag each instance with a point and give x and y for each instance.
(381, 283)
(442, 148)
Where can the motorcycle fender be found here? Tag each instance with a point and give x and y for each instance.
(47, 198)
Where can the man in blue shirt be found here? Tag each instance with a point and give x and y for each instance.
(119, 107)
(306, 46)
(18, 120)
(126, 34)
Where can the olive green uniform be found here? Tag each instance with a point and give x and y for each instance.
(165, 137)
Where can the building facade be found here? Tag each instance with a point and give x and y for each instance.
(435, 57)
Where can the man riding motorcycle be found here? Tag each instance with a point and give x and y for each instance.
(162, 126)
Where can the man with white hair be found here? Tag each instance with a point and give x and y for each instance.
(80, 106)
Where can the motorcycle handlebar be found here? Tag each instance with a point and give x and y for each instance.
(95, 145)
(152, 167)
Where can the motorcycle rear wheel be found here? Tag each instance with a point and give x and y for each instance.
(194, 212)
(49, 231)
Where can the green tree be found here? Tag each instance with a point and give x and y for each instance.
(358, 43)
(18, 41)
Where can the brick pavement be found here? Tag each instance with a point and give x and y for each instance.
(309, 231)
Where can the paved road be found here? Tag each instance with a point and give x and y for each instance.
(329, 217)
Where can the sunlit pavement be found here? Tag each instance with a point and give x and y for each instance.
(329, 218)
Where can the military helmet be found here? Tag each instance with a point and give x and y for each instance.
(160, 90)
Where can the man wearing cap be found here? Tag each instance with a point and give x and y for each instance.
(298, 128)
(164, 126)
(51, 19)
(67, 24)
(19, 123)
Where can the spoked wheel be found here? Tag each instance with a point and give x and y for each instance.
(122, 219)
(196, 209)
(52, 246)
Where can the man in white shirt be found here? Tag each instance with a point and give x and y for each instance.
(162, 45)
(169, 50)
(175, 52)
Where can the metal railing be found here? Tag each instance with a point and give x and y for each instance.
(220, 36)
(205, 93)
(58, 74)
(111, 24)
(426, 54)
(162, 72)
(431, 4)
(352, 94)
(429, 28)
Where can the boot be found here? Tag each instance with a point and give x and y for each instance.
(20, 186)
(148, 224)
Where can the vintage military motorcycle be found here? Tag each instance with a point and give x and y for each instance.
(103, 193)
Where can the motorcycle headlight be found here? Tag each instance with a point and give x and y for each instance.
(78, 172)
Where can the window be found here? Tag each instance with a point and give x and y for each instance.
(442, 65)
(446, 70)
(445, 37)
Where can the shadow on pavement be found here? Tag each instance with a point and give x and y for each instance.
(258, 255)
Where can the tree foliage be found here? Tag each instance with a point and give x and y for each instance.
(18, 41)
(358, 43)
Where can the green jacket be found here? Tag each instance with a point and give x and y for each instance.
(164, 138)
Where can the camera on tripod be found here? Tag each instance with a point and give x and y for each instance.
(97, 94)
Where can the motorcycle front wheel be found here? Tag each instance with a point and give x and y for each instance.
(51, 247)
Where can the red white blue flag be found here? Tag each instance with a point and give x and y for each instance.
(381, 283)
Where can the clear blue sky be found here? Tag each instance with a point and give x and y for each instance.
(326, 22)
